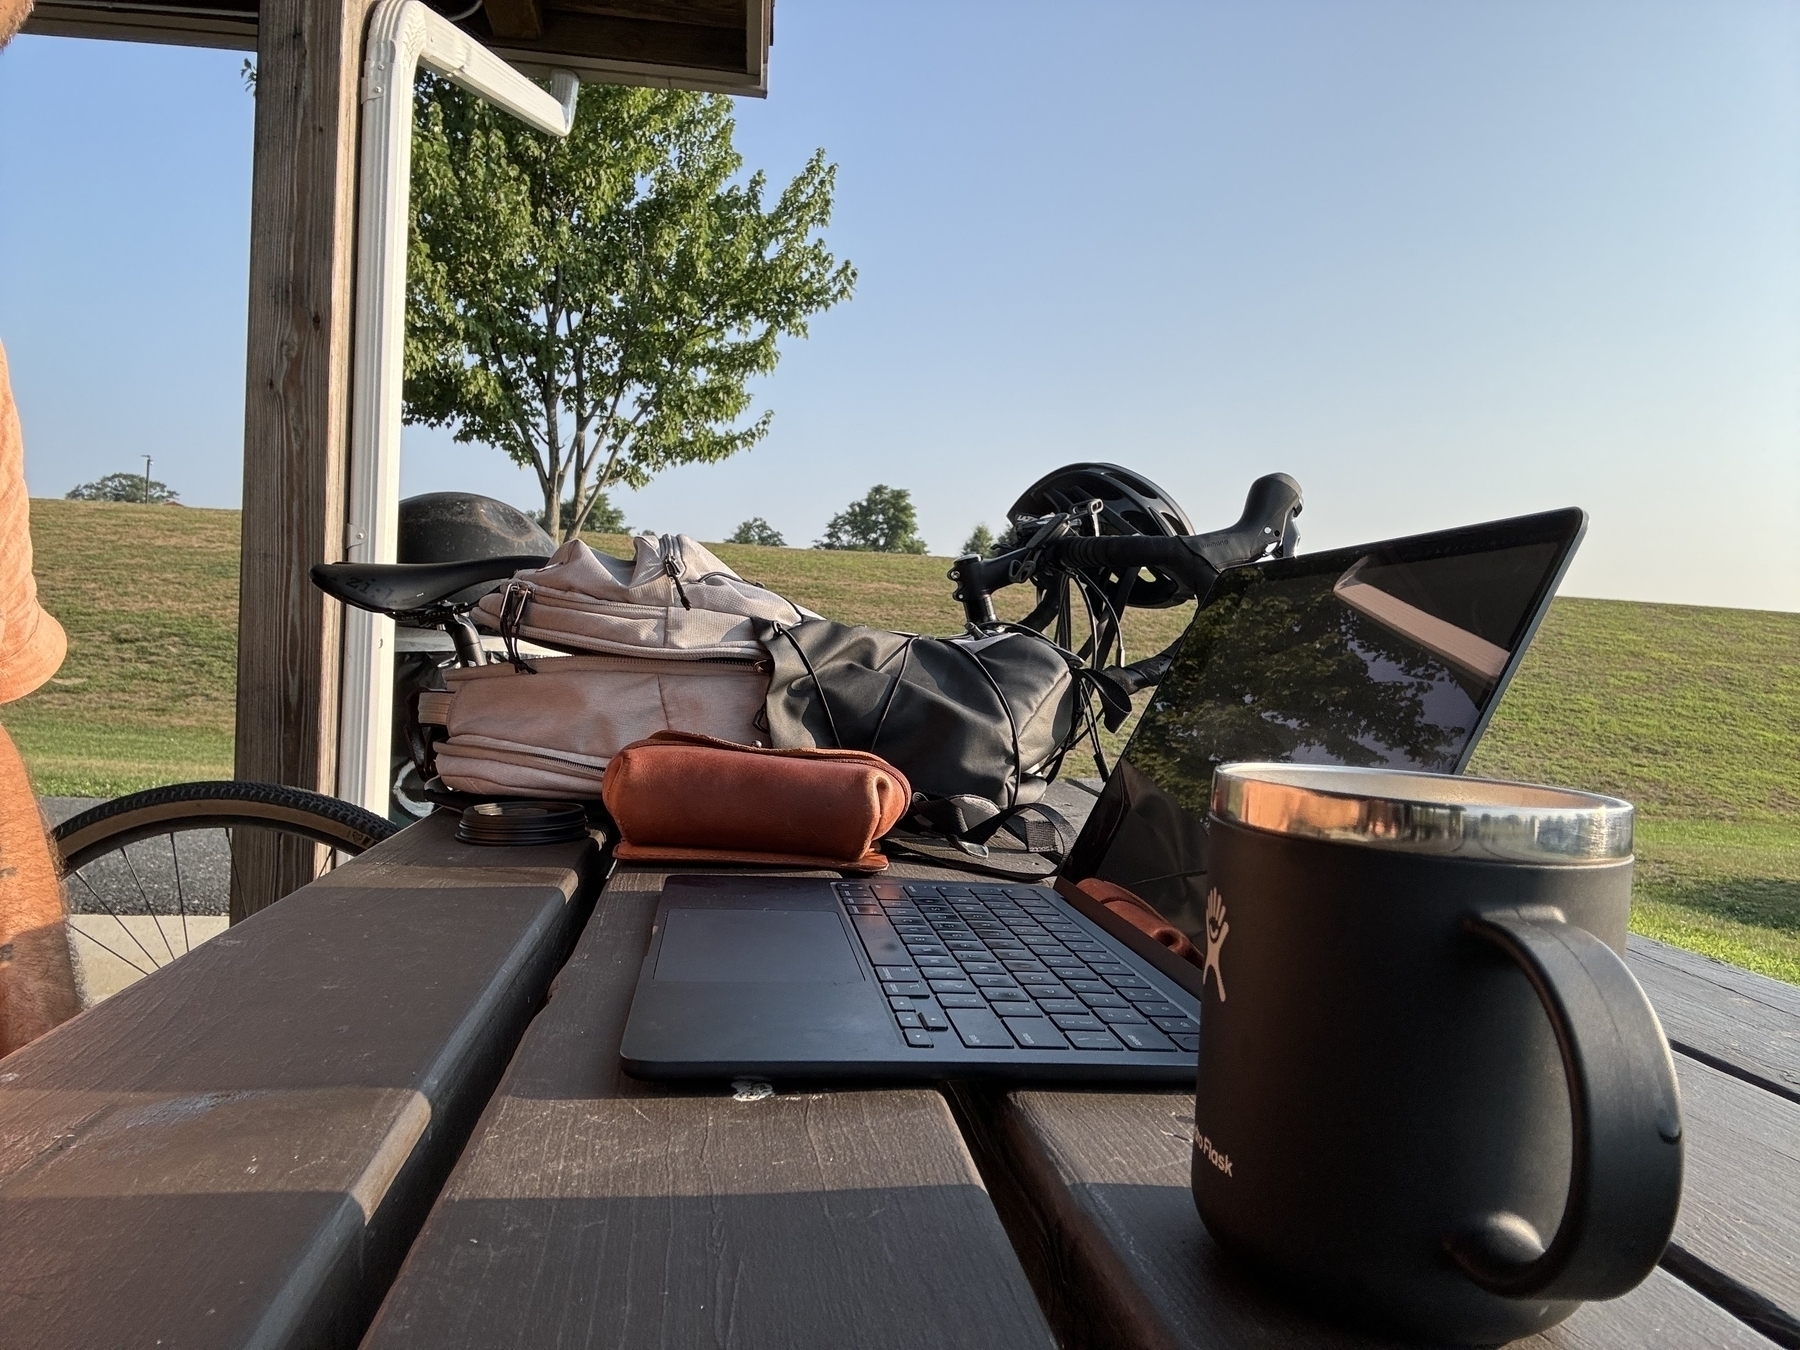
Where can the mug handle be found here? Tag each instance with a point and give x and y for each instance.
(1625, 1108)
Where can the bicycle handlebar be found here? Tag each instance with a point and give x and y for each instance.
(1195, 560)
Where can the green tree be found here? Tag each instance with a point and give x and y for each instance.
(126, 487)
(980, 541)
(882, 522)
(756, 530)
(595, 306)
(602, 516)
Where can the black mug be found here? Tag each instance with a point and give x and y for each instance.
(1431, 1096)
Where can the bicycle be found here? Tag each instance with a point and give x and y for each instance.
(1116, 541)
(1113, 538)
(151, 875)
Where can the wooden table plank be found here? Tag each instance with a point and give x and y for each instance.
(1094, 1189)
(1739, 1022)
(237, 1149)
(1738, 1238)
(591, 1209)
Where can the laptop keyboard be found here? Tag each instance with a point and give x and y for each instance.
(1006, 968)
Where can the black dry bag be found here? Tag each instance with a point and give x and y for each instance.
(977, 724)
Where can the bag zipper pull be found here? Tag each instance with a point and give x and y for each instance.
(512, 615)
(673, 569)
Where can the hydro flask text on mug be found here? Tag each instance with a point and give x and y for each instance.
(1431, 1096)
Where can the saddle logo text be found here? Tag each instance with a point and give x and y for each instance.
(1222, 1161)
(1216, 930)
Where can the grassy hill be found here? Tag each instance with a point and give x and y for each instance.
(1692, 713)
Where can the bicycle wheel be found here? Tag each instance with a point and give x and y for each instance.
(150, 876)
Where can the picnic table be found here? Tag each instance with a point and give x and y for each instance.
(388, 1111)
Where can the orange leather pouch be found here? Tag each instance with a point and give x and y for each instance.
(681, 797)
(1140, 914)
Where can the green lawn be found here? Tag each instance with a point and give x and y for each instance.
(148, 595)
(1692, 713)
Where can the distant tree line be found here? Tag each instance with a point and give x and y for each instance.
(126, 487)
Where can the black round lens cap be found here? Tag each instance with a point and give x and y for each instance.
(523, 823)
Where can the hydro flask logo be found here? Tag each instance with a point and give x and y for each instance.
(1222, 1161)
(1216, 929)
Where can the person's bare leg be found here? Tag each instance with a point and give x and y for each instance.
(37, 976)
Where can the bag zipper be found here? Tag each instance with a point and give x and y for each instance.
(673, 565)
(600, 661)
(512, 614)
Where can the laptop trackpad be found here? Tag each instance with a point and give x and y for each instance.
(780, 946)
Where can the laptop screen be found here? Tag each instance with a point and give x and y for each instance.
(1392, 655)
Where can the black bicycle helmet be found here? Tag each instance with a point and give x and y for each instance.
(463, 526)
(438, 527)
(1130, 504)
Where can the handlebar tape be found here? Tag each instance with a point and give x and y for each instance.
(1272, 500)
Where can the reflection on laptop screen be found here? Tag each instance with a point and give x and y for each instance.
(1390, 655)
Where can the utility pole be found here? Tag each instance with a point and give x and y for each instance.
(146, 478)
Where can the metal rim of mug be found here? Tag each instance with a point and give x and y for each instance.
(1439, 814)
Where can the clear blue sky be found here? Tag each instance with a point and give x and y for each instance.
(1442, 262)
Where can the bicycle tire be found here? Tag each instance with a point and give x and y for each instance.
(98, 848)
(218, 805)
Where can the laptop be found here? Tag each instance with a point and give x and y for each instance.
(1391, 654)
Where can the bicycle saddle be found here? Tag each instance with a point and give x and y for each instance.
(401, 588)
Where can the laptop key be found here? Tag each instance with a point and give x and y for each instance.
(980, 1029)
(908, 1019)
(1078, 1022)
(1035, 977)
(950, 1000)
(1142, 996)
(984, 967)
(1062, 1005)
(1126, 981)
(934, 962)
(1011, 994)
(1093, 1040)
(881, 942)
(1143, 1038)
(904, 987)
(1104, 1001)
(1036, 1034)
(1158, 1009)
(1186, 1026)
(992, 981)
(900, 1004)
(933, 1018)
(1089, 986)
(920, 1040)
(952, 987)
(1106, 968)
(896, 973)
(1119, 1017)
(1191, 1044)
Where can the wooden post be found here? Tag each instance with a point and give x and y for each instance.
(296, 413)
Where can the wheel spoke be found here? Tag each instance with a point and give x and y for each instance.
(149, 908)
(187, 944)
(107, 906)
(103, 947)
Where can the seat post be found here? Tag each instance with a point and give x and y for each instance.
(467, 640)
